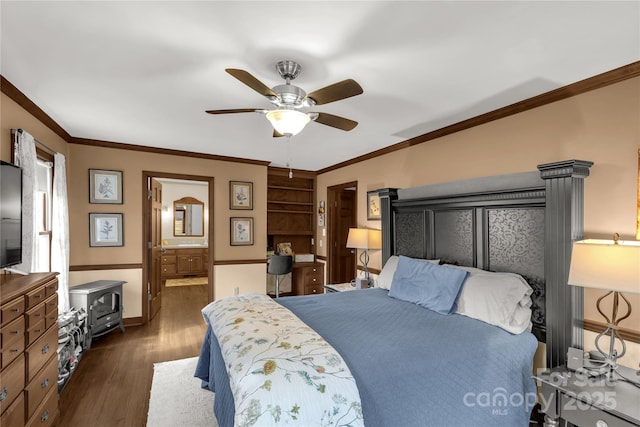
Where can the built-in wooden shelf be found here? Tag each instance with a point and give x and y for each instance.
(285, 211)
(280, 187)
(290, 233)
(290, 210)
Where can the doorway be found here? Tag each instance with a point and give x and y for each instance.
(341, 212)
(153, 208)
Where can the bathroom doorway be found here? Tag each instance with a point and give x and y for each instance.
(178, 222)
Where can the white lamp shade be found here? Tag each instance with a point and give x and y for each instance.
(364, 238)
(602, 264)
(375, 239)
(288, 122)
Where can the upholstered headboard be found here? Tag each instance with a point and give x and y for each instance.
(522, 223)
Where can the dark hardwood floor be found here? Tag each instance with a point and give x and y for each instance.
(112, 383)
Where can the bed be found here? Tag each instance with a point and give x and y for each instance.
(412, 365)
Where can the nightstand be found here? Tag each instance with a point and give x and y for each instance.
(339, 287)
(584, 400)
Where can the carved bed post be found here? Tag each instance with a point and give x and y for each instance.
(564, 223)
(387, 196)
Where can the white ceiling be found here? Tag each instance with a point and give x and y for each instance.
(144, 72)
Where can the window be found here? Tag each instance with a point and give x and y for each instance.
(44, 193)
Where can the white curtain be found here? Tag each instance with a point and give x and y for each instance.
(60, 231)
(25, 157)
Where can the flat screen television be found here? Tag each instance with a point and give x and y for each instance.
(10, 215)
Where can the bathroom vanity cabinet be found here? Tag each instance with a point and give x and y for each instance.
(182, 262)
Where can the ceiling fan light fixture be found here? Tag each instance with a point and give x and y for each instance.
(288, 122)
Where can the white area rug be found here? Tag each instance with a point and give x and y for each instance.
(176, 397)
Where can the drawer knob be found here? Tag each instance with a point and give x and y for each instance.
(45, 416)
(314, 291)
(17, 332)
(17, 310)
(601, 423)
(45, 349)
(45, 383)
(3, 394)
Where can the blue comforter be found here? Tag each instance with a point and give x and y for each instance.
(413, 367)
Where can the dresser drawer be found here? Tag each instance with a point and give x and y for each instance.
(581, 414)
(46, 379)
(35, 315)
(11, 383)
(313, 289)
(51, 288)
(47, 412)
(13, 341)
(51, 311)
(11, 310)
(40, 351)
(14, 415)
(168, 259)
(35, 297)
(34, 332)
(51, 305)
(12, 332)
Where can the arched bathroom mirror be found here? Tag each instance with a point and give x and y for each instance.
(188, 217)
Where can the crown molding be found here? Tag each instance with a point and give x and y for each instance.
(592, 83)
(168, 151)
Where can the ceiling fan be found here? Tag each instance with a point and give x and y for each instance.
(287, 119)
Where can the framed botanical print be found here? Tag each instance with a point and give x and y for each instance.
(106, 229)
(240, 195)
(241, 231)
(105, 186)
(373, 205)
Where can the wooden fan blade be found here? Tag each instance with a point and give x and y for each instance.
(335, 121)
(248, 79)
(335, 92)
(236, 110)
(277, 134)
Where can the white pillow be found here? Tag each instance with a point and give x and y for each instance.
(500, 299)
(385, 277)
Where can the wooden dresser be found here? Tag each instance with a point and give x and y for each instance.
(308, 278)
(29, 342)
(184, 262)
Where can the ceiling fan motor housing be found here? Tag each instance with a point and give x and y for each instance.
(289, 95)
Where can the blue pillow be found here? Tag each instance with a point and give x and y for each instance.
(432, 286)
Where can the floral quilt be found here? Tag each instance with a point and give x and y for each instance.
(281, 372)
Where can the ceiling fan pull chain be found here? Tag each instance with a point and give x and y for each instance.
(289, 156)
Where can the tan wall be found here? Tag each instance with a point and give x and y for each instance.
(600, 126)
(133, 163)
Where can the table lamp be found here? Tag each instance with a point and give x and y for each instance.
(364, 239)
(614, 266)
